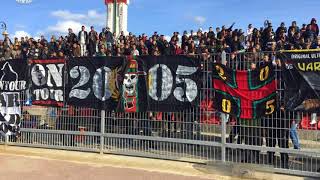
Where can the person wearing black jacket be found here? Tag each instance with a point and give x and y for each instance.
(277, 129)
(280, 30)
(71, 39)
(93, 38)
(109, 37)
(211, 34)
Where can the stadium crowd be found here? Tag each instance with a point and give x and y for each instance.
(106, 43)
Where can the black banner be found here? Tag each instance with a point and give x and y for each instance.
(93, 82)
(47, 77)
(13, 75)
(245, 94)
(134, 87)
(13, 80)
(10, 113)
(173, 82)
(301, 73)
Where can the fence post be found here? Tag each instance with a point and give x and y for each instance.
(6, 140)
(224, 119)
(102, 130)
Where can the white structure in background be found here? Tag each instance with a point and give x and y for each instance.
(117, 15)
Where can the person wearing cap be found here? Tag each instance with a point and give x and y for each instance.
(314, 26)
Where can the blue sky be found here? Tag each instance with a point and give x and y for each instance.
(146, 16)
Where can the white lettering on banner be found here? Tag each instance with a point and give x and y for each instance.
(186, 90)
(46, 94)
(305, 56)
(10, 112)
(40, 76)
(84, 78)
(50, 76)
(167, 82)
(97, 86)
(12, 85)
(187, 94)
(100, 87)
(55, 74)
(9, 79)
(191, 91)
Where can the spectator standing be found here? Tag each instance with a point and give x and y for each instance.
(249, 32)
(71, 39)
(52, 46)
(314, 26)
(211, 34)
(43, 41)
(277, 129)
(83, 40)
(294, 135)
(109, 37)
(45, 53)
(93, 38)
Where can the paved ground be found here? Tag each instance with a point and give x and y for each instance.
(42, 164)
(18, 167)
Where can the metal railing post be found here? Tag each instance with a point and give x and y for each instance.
(102, 130)
(224, 118)
(6, 140)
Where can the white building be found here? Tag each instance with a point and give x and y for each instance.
(117, 15)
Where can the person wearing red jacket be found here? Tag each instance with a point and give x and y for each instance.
(314, 26)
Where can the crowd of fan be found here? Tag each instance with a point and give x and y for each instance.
(106, 43)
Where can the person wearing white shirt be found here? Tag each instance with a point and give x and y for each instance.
(249, 30)
(134, 51)
(83, 39)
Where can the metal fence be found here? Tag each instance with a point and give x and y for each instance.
(182, 136)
